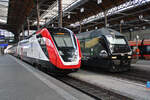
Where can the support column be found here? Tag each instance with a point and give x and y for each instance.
(38, 15)
(130, 34)
(80, 28)
(120, 28)
(60, 13)
(28, 21)
(23, 34)
(105, 15)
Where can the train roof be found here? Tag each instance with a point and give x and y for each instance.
(98, 32)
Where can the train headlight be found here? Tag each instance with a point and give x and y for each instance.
(114, 57)
(129, 57)
(75, 55)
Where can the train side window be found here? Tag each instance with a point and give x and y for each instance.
(42, 42)
(41, 39)
(103, 43)
(148, 49)
(100, 46)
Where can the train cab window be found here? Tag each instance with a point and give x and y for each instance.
(94, 46)
(41, 39)
(63, 40)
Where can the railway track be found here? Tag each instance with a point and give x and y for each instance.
(136, 75)
(139, 76)
(96, 92)
(99, 93)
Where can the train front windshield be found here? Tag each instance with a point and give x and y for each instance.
(117, 44)
(116, 40)
(63, 40)
(66, 44)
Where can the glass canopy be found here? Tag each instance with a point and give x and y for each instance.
(52, 12)
(4, 11)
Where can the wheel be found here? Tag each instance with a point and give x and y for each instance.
(113, 69)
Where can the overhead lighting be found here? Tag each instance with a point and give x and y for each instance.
(141, 17)
(131, 29)
(82, 10)
(69, 16)
(137, 36)
(107, 25)
(122, 21)
(143, 27)
(99, 1)
(52, 25)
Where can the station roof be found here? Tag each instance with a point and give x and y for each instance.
(75, 12)
(129, 14)
(90, 7)
(20, 10)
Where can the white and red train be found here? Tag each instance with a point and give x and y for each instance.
(56, 49)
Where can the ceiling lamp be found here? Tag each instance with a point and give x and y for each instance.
(69, 16)
(82, 10)
(99, 1)
(122, 21)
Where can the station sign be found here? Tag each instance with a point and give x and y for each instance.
(2, 37)
(3, 45)
(148, 84)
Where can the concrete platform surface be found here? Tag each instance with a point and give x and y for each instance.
(142, 65)
(20, 81)
(127, 88)
(143, 62)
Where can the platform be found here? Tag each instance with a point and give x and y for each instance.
(20, 81)
(123, 87)
(142, 65)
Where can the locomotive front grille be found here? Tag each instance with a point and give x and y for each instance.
(121, 49)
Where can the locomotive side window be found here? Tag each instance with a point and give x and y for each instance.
(86, 49)
(94, 46)
(42, 42)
